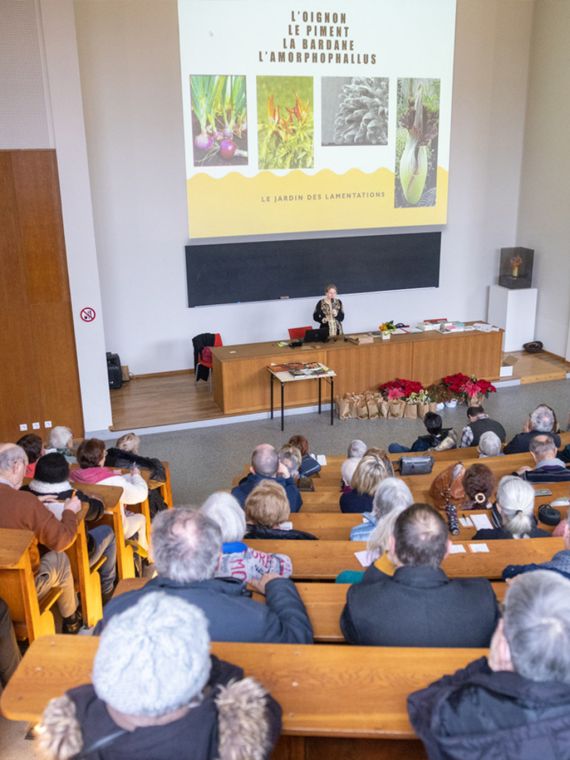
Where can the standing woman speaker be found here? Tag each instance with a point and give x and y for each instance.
(329, 313)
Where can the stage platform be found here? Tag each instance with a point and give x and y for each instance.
(174, 398)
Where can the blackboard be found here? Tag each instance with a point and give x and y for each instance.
(269, 270)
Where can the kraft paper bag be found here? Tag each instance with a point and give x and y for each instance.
(343, 408)
(362, 408)
(396, 408)
(423, 409)
(372, 408)
(411, 411)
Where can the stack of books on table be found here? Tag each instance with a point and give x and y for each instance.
(431, 324)
(301, 369)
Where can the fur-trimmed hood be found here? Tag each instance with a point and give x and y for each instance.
(248, 724)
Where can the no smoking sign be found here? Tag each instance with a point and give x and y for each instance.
(88, 314)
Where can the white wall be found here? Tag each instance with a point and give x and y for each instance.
(130, 76)
(40, 107)
(544, 217)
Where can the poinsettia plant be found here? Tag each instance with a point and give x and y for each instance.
(400, 388)
(464, 387)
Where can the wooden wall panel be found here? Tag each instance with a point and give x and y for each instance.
(40, 379)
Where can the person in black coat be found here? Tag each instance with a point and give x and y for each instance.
(515, 703)
(187, 547)
(419, 606)
(329, 312)
(541, 421)
(157, 693)
(515, 510)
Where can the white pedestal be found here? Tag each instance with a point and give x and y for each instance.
(515, 312)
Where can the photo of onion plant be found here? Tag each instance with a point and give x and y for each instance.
(416, 142)
(354, 110)
(219, 120)
(285, 122)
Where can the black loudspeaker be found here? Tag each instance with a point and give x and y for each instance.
(416, 465)
(114, 370)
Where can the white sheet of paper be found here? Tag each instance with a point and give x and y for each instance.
(479, 548)
(457, 549)
(322, 460)
(55, 507)
(481, 522)
(365, 557)
(465, 521)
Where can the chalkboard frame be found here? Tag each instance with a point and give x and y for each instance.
(269, 270)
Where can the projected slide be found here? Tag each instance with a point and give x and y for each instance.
(315, 117)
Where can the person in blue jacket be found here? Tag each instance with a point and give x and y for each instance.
(265, 464)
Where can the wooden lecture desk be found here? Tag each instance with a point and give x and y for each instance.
(240, 383)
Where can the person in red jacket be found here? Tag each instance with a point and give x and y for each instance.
(24, 511)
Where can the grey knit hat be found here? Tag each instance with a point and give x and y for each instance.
(154, 657)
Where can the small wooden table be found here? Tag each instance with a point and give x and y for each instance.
(286, 377)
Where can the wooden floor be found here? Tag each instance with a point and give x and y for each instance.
(169, 399)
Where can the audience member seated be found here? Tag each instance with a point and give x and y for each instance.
(356, 450)
(490, 445)
(267, 513)
(548, 468)
(541, 421)
(382, 455)
(238, 560)
(479, 485)
(157, 693)
(392, 497)
(479, 423)
(52, 479)
(24, 511)
(265, 465)
(436, 433)
(419, 606)
(127, 452)
(309, 465)
(186, 548)
(34, 448)
(514, 703)
(560, 563)
(390, 500)
(61, 442)
(370, 472)
(515, 510)
(290, 457)
(9, 653)
(91, 460)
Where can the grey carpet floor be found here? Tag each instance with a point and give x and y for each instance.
(207, 459)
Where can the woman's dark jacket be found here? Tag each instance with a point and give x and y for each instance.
(276, 534)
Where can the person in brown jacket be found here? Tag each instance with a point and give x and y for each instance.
(24, 511)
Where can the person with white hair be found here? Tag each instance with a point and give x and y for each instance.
(540, 421)
(548, 468)
(515, 702)
(490, 445)
(186, 548)
(238, 560)
(392, 497)
(22, 510)
(515, 510)
(156, 692)
(390, 500)
(61, 442)
(356, 450)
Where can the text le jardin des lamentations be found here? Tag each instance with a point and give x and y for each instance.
(317, 37)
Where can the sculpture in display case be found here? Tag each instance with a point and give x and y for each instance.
(516, 267)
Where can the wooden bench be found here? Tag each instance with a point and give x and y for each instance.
(324, 603)
(31, 617)
(111, 498)
(338, 701)
(324, 560)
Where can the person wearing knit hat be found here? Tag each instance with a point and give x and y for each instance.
(158, 693)
(51, 479)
